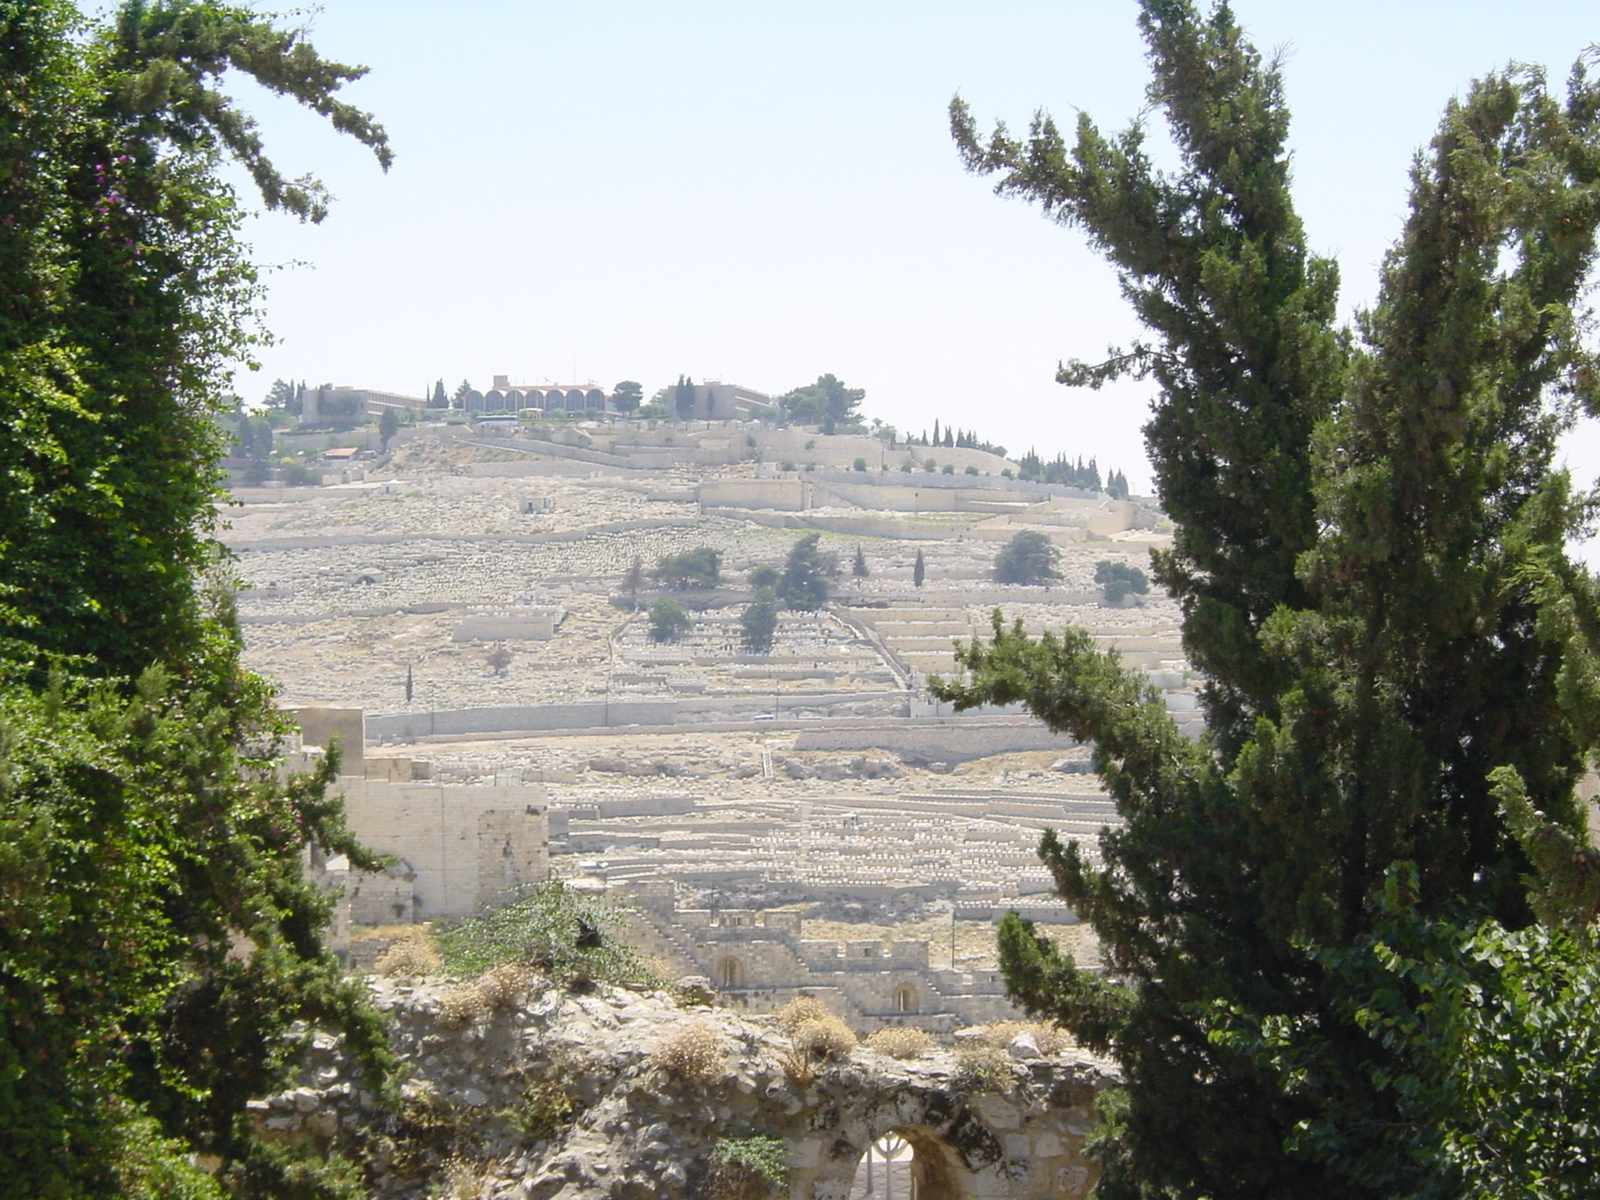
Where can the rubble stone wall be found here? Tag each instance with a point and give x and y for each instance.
(476, 1113)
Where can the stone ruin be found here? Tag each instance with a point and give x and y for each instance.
(760, 960)
(457, 848)
(474, 1116)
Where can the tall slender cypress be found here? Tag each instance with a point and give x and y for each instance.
(1369, 555)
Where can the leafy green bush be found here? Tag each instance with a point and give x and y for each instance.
(697, 568)
(1028, 558)
(1119, 580)
(749, 1168)
(546, 1103)
(552, 929)
(668, 621)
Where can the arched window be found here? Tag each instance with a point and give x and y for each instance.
(731, 972)
(905, 998)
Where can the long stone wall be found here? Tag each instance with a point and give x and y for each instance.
(938, 741)
(531, 718)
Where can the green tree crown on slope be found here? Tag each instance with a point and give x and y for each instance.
(1028, 558)
(700, 567)
(1369, 556)
(157, 942)
(825, 402)
(803, 584)
(758, 624)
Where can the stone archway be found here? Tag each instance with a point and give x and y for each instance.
(1025, 1143)
(908, 1164)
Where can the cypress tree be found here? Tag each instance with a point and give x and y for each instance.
(918, 570)
(1369, 556)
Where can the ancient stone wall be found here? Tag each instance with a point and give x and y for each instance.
(553, 1096)
(760, 961)
(459, 847)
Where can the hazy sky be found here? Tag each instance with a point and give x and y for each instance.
(760, 192)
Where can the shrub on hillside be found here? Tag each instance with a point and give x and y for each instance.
(552, 929)
(901, 1041)
(799, 1010)
(412, 956)
(692, 1055)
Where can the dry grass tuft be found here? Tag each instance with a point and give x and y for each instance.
(461, 1005)
(412, 955)
(462, 1178)
(497, 990)
(901, 1041)
(801, 1009)
(694, 1055)
(503, 986)
(824, 1037)
(1050, 1039)
(984, 1069)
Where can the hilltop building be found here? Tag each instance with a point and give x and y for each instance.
(350, 405)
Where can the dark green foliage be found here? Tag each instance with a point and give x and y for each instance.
(683, 397)
(749, 1168)
(281, 397)
(803, 585)
(764, 576)
(1242, 387)
(552, 929)
(697, 568)
(668, 621)
(1060, 470)
(1404, 685)
(157, 943)
(438, 398)
(1491, 1067)
(1117, 485)
(627, 396)
(388, 425)
(1119, 580)
(758, 624)
(633, 577)
(825, 402)
(128, 299)
(919, 570)
(1029, 558)
(858, 566)
(138, 836)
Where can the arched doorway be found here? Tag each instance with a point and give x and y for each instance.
(730, 972)
(909, 1163)
(905, 998)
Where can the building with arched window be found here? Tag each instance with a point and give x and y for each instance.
(506, 397)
